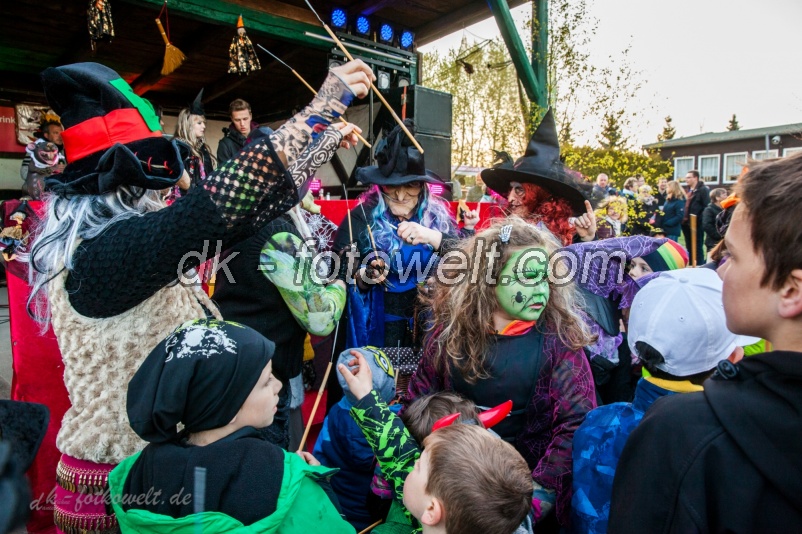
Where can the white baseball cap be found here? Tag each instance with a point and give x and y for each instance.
(680, 313)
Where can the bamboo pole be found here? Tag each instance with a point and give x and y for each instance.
(694, 238)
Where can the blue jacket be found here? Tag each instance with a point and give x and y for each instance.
(673, 211)
(341, 444)
(598, 443)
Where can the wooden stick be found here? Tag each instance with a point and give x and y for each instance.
(693, 240)
(317, 402)
(314, 92)
(342, 119)
(371, 527)
(321, 390)
(378, 93)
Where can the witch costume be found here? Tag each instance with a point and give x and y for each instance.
(200, 376)
(564, 192)
(114, 296)
(385, 315)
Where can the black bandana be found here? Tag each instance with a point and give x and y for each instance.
(199, 376)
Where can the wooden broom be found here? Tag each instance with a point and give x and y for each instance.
(173, 57)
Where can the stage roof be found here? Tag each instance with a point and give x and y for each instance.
(52, 33)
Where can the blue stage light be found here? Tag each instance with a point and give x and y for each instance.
(363, 25)
(338, 18)
(386, 33)
(407, 38)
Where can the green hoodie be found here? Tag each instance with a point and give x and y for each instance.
(302, 507)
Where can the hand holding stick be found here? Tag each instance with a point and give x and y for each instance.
(314, 92)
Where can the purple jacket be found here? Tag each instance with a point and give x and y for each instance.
(564, 394)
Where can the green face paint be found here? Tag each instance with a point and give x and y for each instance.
(523, 288)
(144, 107)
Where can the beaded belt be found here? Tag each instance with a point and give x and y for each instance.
(81, 480)
(75, 523)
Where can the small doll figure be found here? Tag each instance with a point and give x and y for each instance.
(242, 56)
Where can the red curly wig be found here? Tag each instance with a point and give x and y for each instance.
(552, 211)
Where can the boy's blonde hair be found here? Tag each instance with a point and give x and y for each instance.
(484, 484)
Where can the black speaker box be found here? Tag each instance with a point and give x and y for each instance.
(430, 109)
(437, 154)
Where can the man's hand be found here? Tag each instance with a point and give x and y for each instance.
(357, 75)
(359, 382)
(585, 224)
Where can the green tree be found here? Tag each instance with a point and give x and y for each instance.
(733, 125)
(617, 164)
(611, 136)
(668, 131)
(489, 107)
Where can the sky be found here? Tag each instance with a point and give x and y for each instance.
(700, 60)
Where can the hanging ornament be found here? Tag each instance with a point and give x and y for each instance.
(241, 55)
(98, 19)
(173, 57)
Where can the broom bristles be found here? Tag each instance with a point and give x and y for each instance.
(173, 58)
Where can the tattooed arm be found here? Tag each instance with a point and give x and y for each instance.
(338, 90)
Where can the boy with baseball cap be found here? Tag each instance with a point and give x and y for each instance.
(727, 459)
(677, 328)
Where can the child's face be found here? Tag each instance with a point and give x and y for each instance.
(639, 268)
(260, 407)
(415, 497)
(750, 309)
(523, 290)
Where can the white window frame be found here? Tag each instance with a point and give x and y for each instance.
(718, 168)
(725, 178)
(790, 151)
(681, 179)
(773, 153)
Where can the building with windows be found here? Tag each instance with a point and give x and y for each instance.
(720, 156)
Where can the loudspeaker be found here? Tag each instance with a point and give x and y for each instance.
(437, 154)
(431, 110)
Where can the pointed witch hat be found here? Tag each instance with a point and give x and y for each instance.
(540, 165)
(398, 162)
(196, 107)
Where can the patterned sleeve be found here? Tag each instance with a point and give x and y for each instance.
(289, 264)
(330, 103)
(572, 395)
(601, 265)
(396, 450)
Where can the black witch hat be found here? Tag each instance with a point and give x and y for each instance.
(540, 165)
(399, 162)
(112, 136)
(196, 107)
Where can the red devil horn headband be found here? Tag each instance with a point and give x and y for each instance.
(488, 418)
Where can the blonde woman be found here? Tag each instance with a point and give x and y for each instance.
(190, 130)
(511, 331)
(673, 210)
